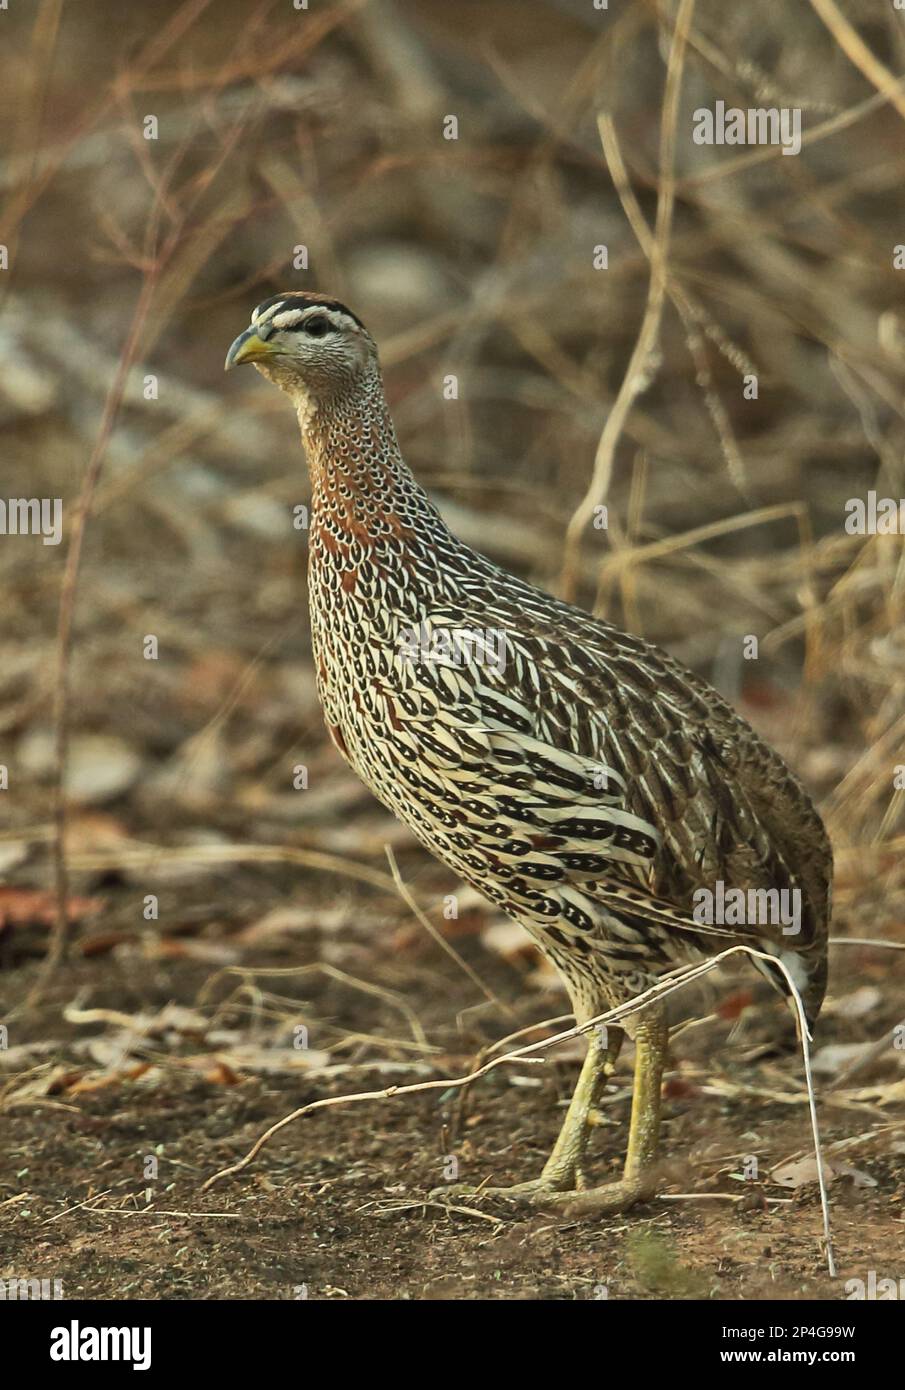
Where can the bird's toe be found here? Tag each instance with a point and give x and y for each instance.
(609, 1199)
(520, 1193)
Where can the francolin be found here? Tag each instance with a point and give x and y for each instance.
(582, 780)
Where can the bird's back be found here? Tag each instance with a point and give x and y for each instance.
(576, 774)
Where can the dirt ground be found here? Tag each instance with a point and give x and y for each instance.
(159, 1059)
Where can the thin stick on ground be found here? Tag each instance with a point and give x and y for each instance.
(488, 1051)
(675, 980)
(441, 941)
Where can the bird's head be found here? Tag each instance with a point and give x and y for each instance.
(309, 345)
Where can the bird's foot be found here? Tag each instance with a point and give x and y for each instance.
(607, 1200)
(542, 1195)
(561, 1174)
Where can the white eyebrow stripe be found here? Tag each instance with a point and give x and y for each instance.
(284, 314)
(288, 318)
(293, 317)
(262, 316)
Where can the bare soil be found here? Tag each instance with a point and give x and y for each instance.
(336, 1206)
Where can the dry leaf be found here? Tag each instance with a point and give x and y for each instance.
(803, 1171)
(36, 906)
(860, 1002)
(734, 1005)
(834, 1057)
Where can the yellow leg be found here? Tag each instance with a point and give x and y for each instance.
(638, 1178)
(562, 1170)
(557, 1188)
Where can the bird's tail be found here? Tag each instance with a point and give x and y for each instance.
(808, 973)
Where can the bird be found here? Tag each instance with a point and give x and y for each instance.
(581, 779)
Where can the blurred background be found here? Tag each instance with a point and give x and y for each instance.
(165, 169)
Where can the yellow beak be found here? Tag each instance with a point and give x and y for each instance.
(248, 347)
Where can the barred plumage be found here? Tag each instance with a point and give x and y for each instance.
(576, 775)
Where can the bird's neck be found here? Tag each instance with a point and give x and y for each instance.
(361, 485)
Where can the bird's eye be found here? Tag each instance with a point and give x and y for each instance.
(316, 326)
